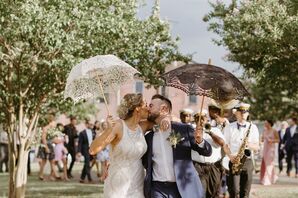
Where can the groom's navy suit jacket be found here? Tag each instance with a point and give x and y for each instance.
(187, 179)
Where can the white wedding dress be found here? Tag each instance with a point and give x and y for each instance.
(126, 173)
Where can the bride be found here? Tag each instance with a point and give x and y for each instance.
(126, 136)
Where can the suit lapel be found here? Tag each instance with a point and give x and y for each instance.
(150, 146)
(173, 128)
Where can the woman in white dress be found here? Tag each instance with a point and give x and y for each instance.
(126, 173)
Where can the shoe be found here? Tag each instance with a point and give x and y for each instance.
(69, 175)
(288, 174)
(82, 181)
(41, 178)
(66, 179)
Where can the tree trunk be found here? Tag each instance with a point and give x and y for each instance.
(21, 172)
(12, 170)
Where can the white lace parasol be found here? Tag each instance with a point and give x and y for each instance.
(91, 76)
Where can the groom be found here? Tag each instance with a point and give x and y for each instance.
(169, 169)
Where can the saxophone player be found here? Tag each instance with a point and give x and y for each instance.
(242, 139)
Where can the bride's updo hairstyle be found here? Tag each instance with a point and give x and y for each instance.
(128, 104)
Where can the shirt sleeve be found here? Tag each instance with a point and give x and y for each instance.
(254, 134)
(217, 132)
(227, 134)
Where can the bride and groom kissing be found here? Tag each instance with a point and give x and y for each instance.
(164, 152)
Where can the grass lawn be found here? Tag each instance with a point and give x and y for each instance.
(59, 188)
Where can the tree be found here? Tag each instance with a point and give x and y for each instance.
(274, 105)
(41, 40)
(261, 36)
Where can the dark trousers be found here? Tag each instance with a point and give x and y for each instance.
(290, 155)
(29, 163)
(210, 176)
(3, 156)
(281, 156)
(86, 168)
(239, 185)
(73, 159)
(164, 190)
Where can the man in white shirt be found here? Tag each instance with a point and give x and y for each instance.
(239, 183)
(289, 142)
(209, 168)
(169, 168)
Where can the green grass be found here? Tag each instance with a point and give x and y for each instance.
(44, 189)
(37, 188)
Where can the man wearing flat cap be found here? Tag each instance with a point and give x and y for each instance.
(239, 183)
(186, 116)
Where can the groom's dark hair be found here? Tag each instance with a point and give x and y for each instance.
(164, 99)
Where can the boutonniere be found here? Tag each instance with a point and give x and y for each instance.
(174, 138)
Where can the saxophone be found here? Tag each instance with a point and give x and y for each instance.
(242, 154)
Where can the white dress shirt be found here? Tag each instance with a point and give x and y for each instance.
(216, 149)
(282, 133)
(163, 163)
(89, 136)
(293, 130)
(234, 136)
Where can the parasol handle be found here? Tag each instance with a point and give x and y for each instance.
(104, 97)
(201, 109)
(203, 98)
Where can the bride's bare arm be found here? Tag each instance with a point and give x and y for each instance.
(107, 137)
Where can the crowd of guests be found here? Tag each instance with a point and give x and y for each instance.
(64, 145)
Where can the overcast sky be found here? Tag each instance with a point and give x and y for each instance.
(185, 18)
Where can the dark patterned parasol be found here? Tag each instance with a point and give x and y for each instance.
(206, 80)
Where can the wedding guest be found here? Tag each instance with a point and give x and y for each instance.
(71, 136)
(269, 138)
(61, 151)
(46, 149)
(85, 139)
(281, 146)
(103, 156)
(289, 141)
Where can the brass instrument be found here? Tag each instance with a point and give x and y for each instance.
(207, 127)
(242, 154)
